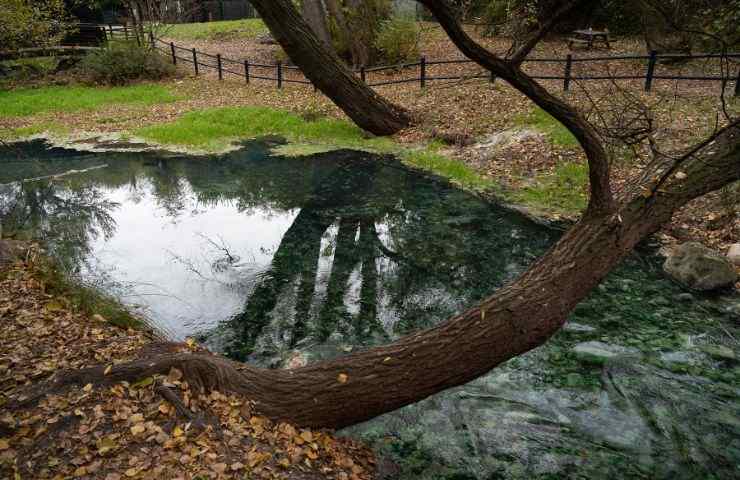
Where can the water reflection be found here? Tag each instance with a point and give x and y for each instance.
(281, 261)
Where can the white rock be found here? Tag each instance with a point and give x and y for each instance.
(734, 254)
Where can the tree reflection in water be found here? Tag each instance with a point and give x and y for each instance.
(374, 250)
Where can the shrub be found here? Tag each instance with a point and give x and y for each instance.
(398, 39)
(123, 62)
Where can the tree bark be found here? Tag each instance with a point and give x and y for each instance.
(315, 15)
(327, 72)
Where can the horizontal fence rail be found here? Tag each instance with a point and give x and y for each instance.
(276, 72)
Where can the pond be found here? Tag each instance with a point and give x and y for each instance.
(282, 261)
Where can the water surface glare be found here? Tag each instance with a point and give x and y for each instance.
(283, 261)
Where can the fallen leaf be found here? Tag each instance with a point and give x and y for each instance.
(342, 378)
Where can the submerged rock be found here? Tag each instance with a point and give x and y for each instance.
(699, 267)
(578, 327)
(734, 254)
(600, 352)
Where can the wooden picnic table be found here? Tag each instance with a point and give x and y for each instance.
(589, 37)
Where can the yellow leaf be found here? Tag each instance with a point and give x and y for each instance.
(136, 418)
(53, 306)
(342, 378)
(107, 369)
(131, 472)
(306, 435)
(177, 432)
(190, 342)
(138, 429)
(285, 463)
(106, 445)
(87, 388)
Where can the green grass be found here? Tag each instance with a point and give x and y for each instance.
(23, 102)
(35, 129)
(215, 129)
(246, 28)
(73, 294)
(562, 191)
(446, 167)
(544, 122)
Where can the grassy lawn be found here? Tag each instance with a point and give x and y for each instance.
(245, 28)
(23, 102)
(564, 190)
(555, 131)
(214, 129)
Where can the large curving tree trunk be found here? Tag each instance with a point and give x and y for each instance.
(327, 72)
(514, 320)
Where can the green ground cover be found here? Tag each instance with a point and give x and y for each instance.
(245, 28)
(22, 102)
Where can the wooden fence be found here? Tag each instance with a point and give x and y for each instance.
(277, 72)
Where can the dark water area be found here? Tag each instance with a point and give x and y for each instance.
(282, 261)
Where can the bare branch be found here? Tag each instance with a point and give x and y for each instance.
(521, 53)
(602, 199)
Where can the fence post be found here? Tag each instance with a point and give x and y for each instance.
(174, 57)
(650, 70)
(362, 74)
(110, 29)
(568, 67)
(280, 74)
(220, 70)
(151, 38)
(423, 72)
(125, 31)
(737, 83)
(195, 61)
(246, 70)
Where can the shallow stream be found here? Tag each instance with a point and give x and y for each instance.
(282, 261)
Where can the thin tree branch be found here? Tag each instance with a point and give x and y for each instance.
(602, 198)
(521, 53)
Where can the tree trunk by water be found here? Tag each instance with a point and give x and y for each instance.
(327, 72)
(514, 320)
(315, 15)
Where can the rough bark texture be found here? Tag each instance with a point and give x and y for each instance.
(322, 66)
(315, 15)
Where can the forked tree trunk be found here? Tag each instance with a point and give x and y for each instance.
(325, 70)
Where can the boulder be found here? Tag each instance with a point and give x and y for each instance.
(734, 254)
(699, 268)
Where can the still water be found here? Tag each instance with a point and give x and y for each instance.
(283, 261)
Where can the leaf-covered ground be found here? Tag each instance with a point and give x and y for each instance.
(130, 430)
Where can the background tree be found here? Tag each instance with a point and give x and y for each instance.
(37, 23)
(327, 72)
